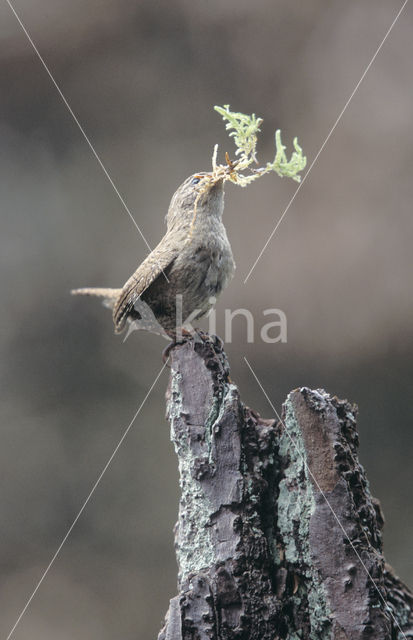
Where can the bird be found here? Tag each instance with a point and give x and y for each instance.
(184, 274)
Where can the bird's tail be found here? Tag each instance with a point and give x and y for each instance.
(109, 295)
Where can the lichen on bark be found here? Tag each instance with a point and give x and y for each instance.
(194, 544)
(277, 528)
(296, 507)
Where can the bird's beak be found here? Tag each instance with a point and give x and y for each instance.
(216, 185)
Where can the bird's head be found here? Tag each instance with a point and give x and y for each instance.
(201, 193)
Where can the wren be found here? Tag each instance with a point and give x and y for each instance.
(192, 263)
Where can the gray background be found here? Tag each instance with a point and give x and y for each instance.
(143, 78)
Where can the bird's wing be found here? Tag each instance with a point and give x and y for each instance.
(156, 265)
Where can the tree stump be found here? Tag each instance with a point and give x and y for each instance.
(278, 536)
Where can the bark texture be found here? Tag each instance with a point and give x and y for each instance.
(278, 536)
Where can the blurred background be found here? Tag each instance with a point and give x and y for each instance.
(142, 78)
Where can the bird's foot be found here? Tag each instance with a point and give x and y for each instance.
(167, 351)
(176, 339)
(198, 337)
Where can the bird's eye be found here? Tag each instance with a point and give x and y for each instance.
(195, 180)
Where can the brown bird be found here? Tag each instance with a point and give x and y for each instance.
(187, 270)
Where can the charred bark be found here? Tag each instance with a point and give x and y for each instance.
(278, 536)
